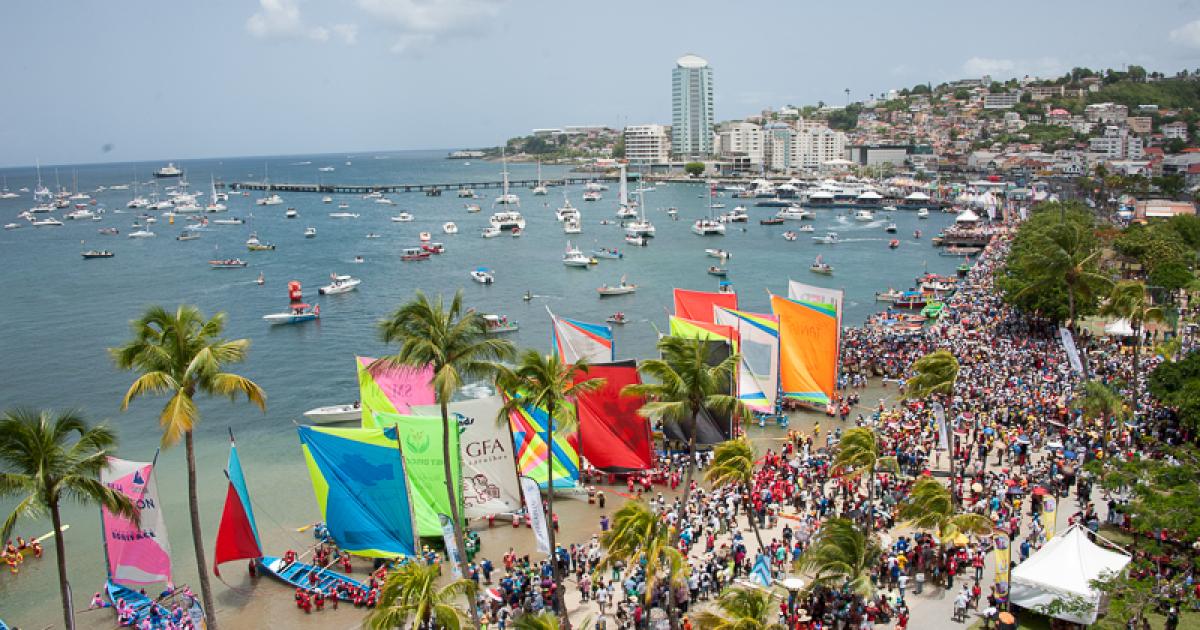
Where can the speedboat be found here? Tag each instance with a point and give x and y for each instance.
(708, 227)
(15, 226)
(498, 324)
(434, 248)
(572, 227)
(270, 200)
(142, 233)
(97, 253)
(605, 252)
(229, 263)
(335, 413)
(636, 239)
(403, 217)
(567, 212)
(310, 232)
(592, 195)
(617, 318)
(297, 314)
(81, 213)
(326, 199)
(229, 221)
(491, 232)
(483, 276)
(255, 245)
(425, 237)
(385, 201)
(414, 254)
(830, 238)
(719, 272)
(291, 213)
(864, 215)
(325, 169)
(343, 215)
(449, 228)
(891, 228)
(820, 267)
(794, 213)
(894, 243)
(572, 257)
(790, 236)
(472, 208)
(923, 213)
(620, 289)
(340, 284)
(187, 235)
(718, 253)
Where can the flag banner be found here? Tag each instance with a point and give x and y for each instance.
(1068, 344)
(136, 554)
(939, 414)
(612, 436)
(1003, 562)
(452, 551)
(698, 305)
(575, 340)
(486, 450)
(392, 390)
(537, 518)
(1049, 515)
(762, 571)
(421, 441)
(808, 349)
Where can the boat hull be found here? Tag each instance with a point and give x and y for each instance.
(297, 574)
(278, 319)
(334, 414)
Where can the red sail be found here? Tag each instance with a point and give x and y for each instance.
(698, 305)
(235, 536)
(614, 438)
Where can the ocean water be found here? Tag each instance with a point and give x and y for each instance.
(61, 313)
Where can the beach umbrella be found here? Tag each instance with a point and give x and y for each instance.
(1039, 491)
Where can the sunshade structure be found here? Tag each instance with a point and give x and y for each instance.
(1063, 569)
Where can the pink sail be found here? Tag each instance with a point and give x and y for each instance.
(138, 555)
(392, 390)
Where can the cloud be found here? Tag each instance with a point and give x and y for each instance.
(280, 19)
(979, 66)
(1001, 69)
(422, 23)
(1186, 35)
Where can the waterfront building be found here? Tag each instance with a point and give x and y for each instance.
(740, 139)
(778, 146)
(647, 144)
(692, 107)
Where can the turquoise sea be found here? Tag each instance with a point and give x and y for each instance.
(60, 313)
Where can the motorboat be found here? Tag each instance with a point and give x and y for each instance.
(516, 232)
(343, 215)
(910, 299)
(718, 206)
(719, 272)
(229, 221)
(594, 186)
(403, 217)
(620, 289)
(434, 248)
(891, 295)
(296, 314)
(339, 284)
(592, 195)
(228, 263)
(325, 169)
(343, 205)
(830, 238)
(335, 414)
(491, 232)
(790, 236)
(375, 194)
(291, 213)
(80, 214)
(255, 245)
(617, 318)
(12, 226)
(449, 228)
(572, 227)
(483, 276)
(373, 235)
(170, 170)
(821, 267)
(567, 212)
(626, 212)
(187, 235)
(385, 201)
(107, 231)
(891, 228)
(718, 253)
(310, 232)
(414, 254)
(737, 215)
(137, 202)
(96, 253)
(708, 227)
(807, 227)
(466, 193)
(270, 200)
(326, 199)
(636, 239)
(776, 220)
(425, 237)
(864, 215)
(923, 213)
(572, 257)
(472, 208)
(498, 324)
(142, 233)
(507, 220)
(605, 252)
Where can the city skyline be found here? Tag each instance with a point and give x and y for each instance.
(140, 81)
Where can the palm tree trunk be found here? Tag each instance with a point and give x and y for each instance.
(210, 609)
(687, 476)
(560, 605)
(672, 615)
(61, 553)
(871, 502)
(1137, 352)
(454, 516)
(753, 522)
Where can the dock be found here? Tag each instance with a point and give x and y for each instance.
(435, 189)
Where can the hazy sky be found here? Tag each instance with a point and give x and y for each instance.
(177, 79)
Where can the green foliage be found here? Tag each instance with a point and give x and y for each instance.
(618, 151)
(846, 118)
(936, 373)
(841, 555)
(962, 94)
(1177, 385)
(694, 169)
(411, 595)
(741, 608)
(1169, 93)
(929, 506)
(639, 534)
(1187, 227)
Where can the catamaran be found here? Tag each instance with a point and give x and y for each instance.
(540, 189)
(506, 198)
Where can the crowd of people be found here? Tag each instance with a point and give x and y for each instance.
(14, 553)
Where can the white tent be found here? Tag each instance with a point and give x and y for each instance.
(1063, 569)
(917, 196)
(967, 216)
(1119, 328)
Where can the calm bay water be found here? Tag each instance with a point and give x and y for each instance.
(60, 313)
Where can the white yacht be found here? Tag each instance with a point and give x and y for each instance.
(483, 275)
(567, 211)
(923, 213)
(170, 170)
(708, 227)
(864, 215)
(540, 189)
(592, 195)
(449, 227)
(794, 213)
(326, 199)
(270, 200)
(506, 198)
(573, 257)
(507, 220)
(142, 233)
(339, 284)
(403, 217)
(640, 227)
(572, 226)
(466, 193)
(491, 232)
(594, 187)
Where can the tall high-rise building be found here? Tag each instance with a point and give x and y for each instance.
(692, 107)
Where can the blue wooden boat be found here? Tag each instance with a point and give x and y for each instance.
(297, 574)
(141, 605)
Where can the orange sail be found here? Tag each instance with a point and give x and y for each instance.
(808, 349)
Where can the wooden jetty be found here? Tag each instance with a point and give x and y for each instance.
(362, 189)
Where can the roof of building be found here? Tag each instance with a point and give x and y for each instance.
(691, 61)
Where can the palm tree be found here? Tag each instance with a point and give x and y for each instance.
(936, 374)
(741, 609)
(46, 458)
(929, 506)
(684, 384)
(1129, 300)
(733, 464)
(182, 354)
(858, 453)
(840, 555)
(638, 532)
(1100, 402)
(1066, 255)
(543, 381)
(412, 593)
(454, 343)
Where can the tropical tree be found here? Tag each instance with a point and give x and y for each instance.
(46, 458)
(1099, 401)
(858, 454)
(935, 374)
(930, 506)
(543, 381)
(411, 594)
(841, 555)
(741, 609)
(1129, 301)
(682, 384)
(454, 343)
(541, 621)
(1053, 259)
(733, 464)
(181, 354)
(638, 533)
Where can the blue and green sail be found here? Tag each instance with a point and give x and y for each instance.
(421, 438)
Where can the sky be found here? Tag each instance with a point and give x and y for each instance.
(135, 80)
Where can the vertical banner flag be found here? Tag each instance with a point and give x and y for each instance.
(939, 414)
(1003, 562)
(391, 390)
(139, 555)
(421, 439)
(1068, 344)
(537, 518)
(1049, 515)
(452, 551)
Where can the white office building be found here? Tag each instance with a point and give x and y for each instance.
(1117, 144)
(741, 139)
(812, 147)
(647, 144)
(692, 107)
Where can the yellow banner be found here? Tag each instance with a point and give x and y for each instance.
(1003, 562)
(1049, 515)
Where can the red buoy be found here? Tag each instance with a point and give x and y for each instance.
(294, 292)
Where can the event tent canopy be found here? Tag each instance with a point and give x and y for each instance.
(1063, 569)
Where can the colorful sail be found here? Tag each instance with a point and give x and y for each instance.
(489, 470)
(575, 340)
(698, 305)
(359, 481)
(711, 427)
(137, 554)
(758, 343)
(612, 435)
(697, 329)
(808, 348)
(421, 438)
(392, 389)
(237, 534)
(528, 426)
(810, 293)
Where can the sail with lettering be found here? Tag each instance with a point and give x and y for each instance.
(359, 481)
(808, 349)
(392, 389)
(237, 534)
(758, 344)
(136, 554)
(529, 424)
(421, 441)
(575, 340)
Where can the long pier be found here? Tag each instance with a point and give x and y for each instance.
(361, 189)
